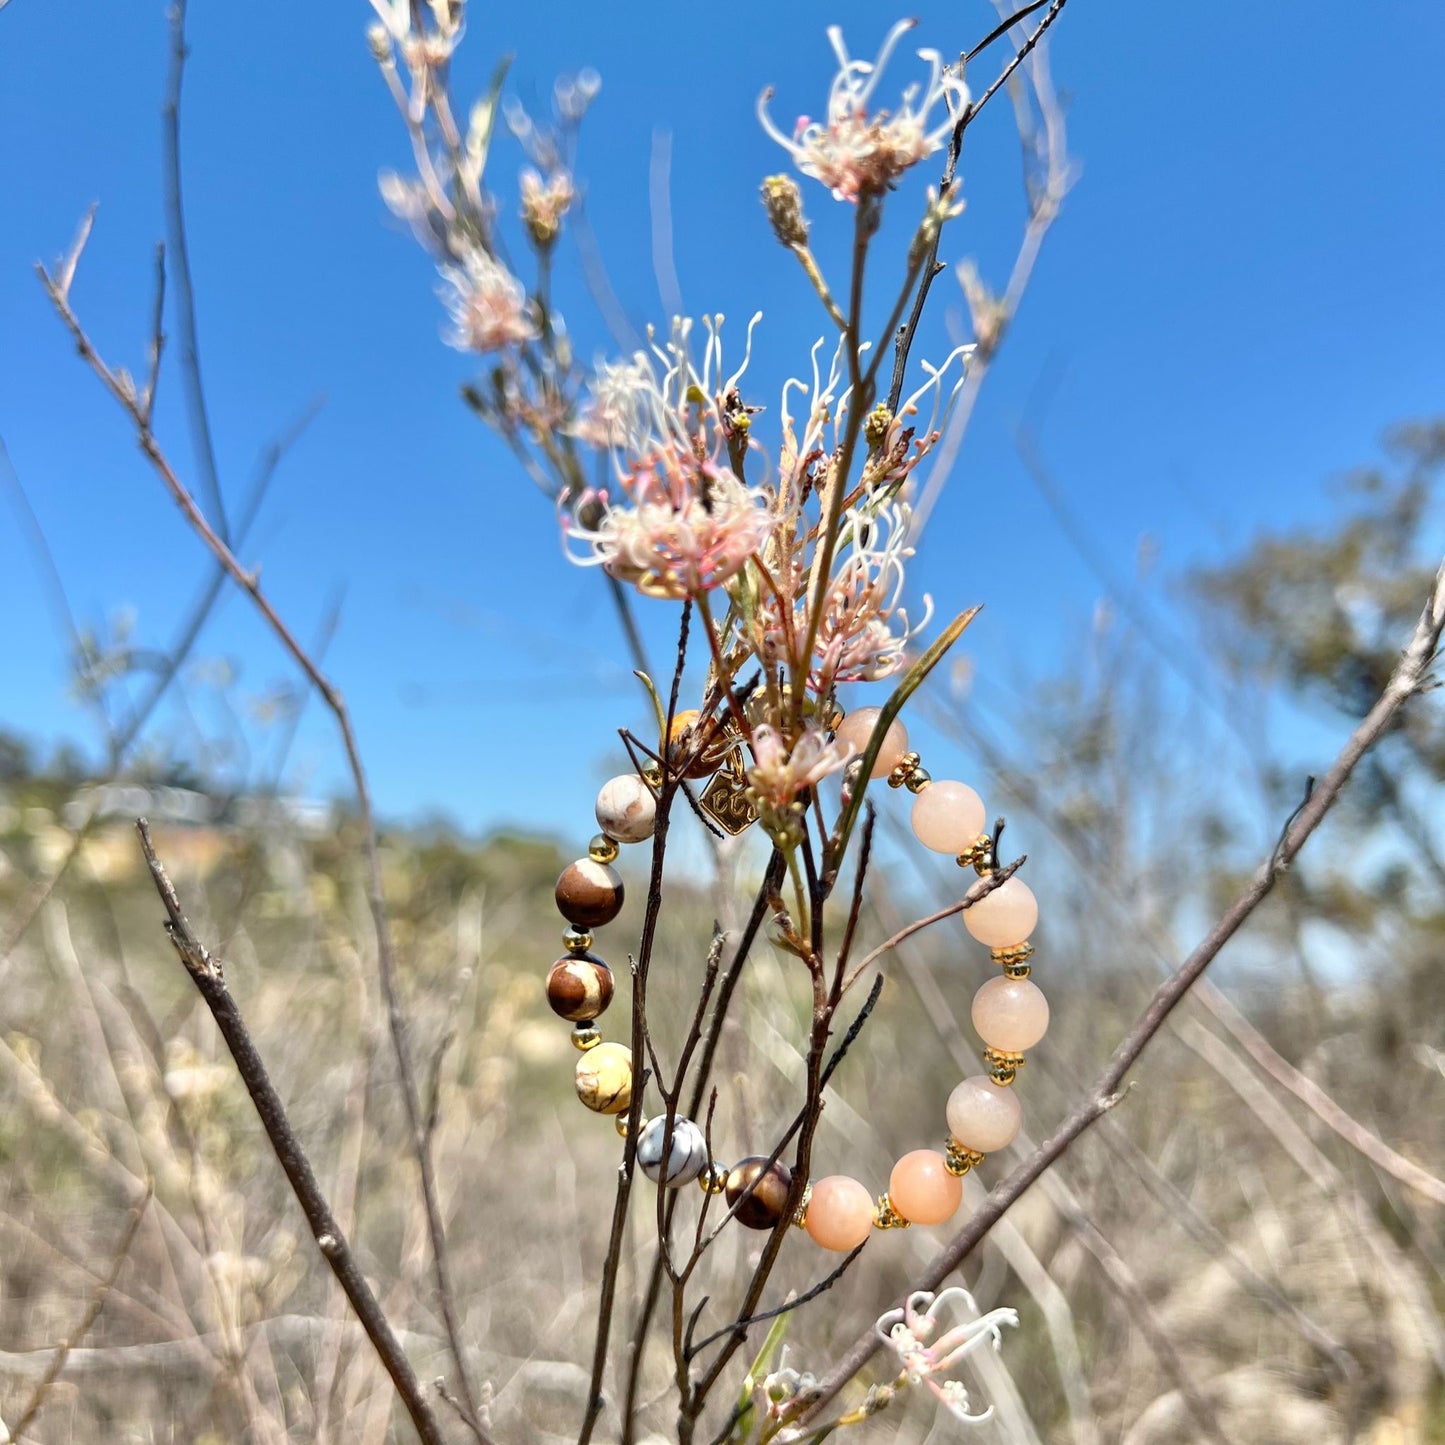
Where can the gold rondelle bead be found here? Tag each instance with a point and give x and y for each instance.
(620, 1124)
(577, 940)
(1002, 1068)
(906, 766)
(958, 1159)
(1014, 959)
(602, 849)
(886, 1216)
(1014, 953)
(978, 855)
(585, 1037)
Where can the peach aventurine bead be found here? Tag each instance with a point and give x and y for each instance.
(948, 817)
(922, 1190)
(840, 1213)
(1003, 917)
(1010, 1014)
(983, 1116)
(857, 728)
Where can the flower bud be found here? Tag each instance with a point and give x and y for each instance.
(783, 202)
(380, 42)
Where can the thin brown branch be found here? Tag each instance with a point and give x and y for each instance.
(123, 390)
(971, 111)
(199, 414)
(787, 1307)
(1410, 676)
(206, 973)
(640, 1042)
(981, 889)
(120, 740)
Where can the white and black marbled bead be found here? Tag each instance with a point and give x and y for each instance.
(686, 1159)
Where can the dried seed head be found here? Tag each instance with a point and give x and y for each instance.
(783, 202)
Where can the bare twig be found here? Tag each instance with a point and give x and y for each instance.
(981, 889)
(205, 972)
(1411, 675)
(822, 1287)
(185, 292)
(671, 782)
(120, 387)
(971, 111)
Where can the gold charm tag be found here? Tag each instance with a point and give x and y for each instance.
(725, 799)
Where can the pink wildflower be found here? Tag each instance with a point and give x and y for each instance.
(545, 203)
(677, 541)
(858, 154)
(682, 522)
(864, 629)
(488, 305)
(906, 1332)
(780, 773)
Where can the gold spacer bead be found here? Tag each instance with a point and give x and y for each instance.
(978, 855)
(903, 770)
(1002, 1068)
(918, 780)
(800, 1214)
(714, 1178)
(602, 849)
(620, 1124)
(585, 1037)
(1014, 959)
(958, 1159)
(886, 1216)
(1014, 953)
(577, 940)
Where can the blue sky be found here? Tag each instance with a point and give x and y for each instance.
(1245, 287)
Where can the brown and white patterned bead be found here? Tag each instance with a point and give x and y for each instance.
(589, 894)
(579, 987)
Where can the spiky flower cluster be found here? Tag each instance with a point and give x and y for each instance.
(680, 519)
(796, 552)
(533, 385)
(857, 152)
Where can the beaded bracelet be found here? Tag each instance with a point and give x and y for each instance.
(1009, 1012)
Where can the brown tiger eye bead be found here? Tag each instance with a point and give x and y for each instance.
(765, 1206)
(589, 894)
(690, 734)
(579, 987)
